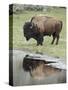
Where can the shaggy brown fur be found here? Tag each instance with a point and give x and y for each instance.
(40, 26)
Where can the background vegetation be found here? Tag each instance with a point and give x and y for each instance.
(22, 14)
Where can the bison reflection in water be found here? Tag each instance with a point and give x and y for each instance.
(40, 26)
(38, 69)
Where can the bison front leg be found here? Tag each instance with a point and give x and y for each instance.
(38, 43)
(40, 40)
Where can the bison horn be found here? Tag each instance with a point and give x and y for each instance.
(32, 24)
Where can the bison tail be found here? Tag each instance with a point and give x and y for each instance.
(32, 19)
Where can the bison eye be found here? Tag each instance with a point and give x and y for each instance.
(31, 27)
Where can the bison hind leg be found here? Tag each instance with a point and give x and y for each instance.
(55, 36)
(57, 39)
(53, 39)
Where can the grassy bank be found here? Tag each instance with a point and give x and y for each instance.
(19, 41)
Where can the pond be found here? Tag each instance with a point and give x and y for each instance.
(53, 73)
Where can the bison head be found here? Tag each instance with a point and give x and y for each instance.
(29, 30)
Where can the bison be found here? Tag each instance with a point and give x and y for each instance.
(40, 26)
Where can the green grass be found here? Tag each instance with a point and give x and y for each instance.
(19, 41)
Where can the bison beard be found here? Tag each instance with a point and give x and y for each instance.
(41, 26)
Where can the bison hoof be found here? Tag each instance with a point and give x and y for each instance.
(56, 43)
(39, 44)
(51, 43)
